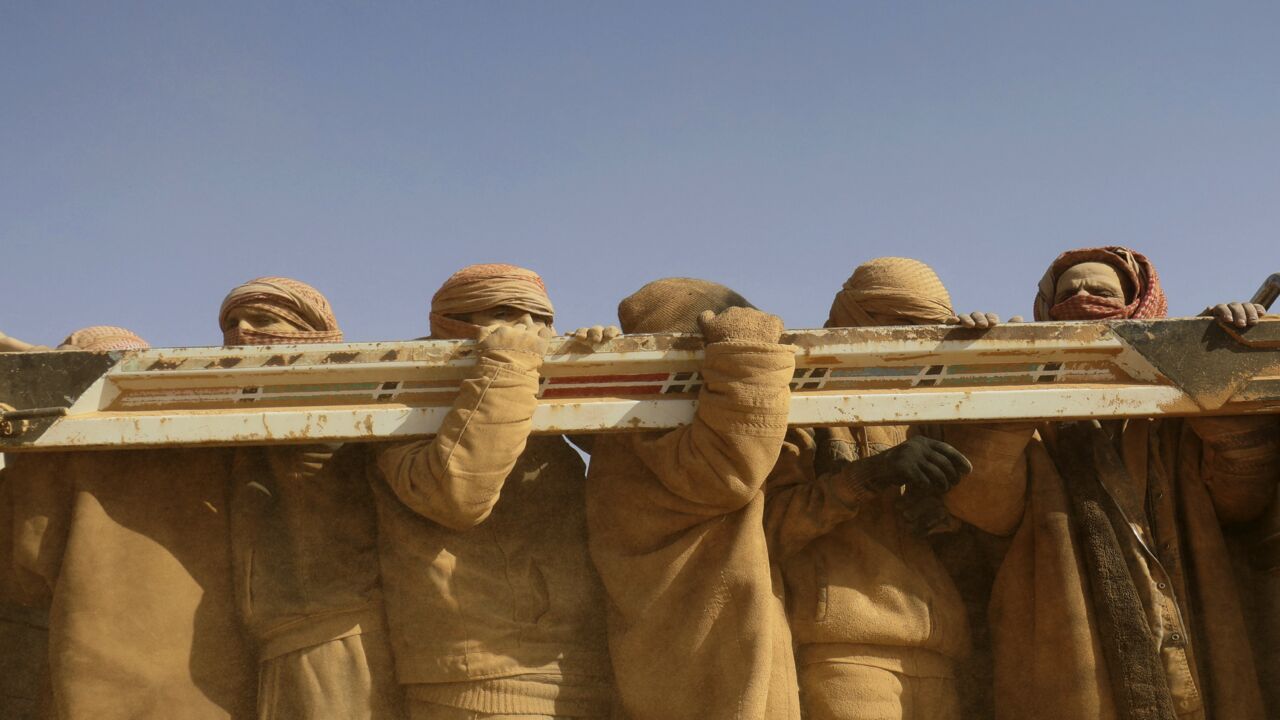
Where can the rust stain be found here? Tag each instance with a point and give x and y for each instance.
(165, 364)
(340, 358)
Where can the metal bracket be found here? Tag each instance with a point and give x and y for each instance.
(16, 422)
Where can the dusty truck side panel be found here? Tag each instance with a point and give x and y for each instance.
(367, 391)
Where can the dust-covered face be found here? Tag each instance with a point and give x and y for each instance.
(1090, 279)
(504, 316)
(247, 318)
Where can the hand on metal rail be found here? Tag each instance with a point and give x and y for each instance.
(1239, 314)
(979, 320)
(740, 324)
(519, 338)
(595, 335)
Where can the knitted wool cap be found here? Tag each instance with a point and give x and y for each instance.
(674, 304)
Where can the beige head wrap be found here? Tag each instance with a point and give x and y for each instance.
(1148, 299)
(100, 338)
(291, 300)
(674, 304)
(483, 287)
(891, 291)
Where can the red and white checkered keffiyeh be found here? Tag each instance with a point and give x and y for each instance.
(1148, 298)
(101, 338)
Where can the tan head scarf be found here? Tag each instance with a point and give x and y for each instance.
(1148, 298)
(674, 304)
(891, 291)
(100, 338)
(484, 287)
(291, 300)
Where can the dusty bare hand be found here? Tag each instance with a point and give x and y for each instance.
(1241, 315)
(741, 324)
(976, 320)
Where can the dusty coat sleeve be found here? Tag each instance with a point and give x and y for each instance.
(802, 506)
(993, 497)
(1241, 464)
(455, 477)
(718, 463)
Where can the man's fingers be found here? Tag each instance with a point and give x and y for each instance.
(611, 332)
(993, 319)
(1017, 319)
(1253, 313)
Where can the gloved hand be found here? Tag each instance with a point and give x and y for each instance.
(595, 335)
(300, 462)
(1241, 315)
(740, 324)
(922, 464)
(518, 338)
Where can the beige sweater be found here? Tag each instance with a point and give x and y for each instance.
(861, 587)
(304, 547)
(697, 629)
(492, 603)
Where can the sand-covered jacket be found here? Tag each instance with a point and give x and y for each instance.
(1125, 527)
(305, 547)
(697, 629)
(861, 586)
(132, 550)
(484, 558)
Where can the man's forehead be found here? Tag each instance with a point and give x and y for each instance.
(1090, 271)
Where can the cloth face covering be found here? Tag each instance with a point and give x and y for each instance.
(674, 304)
(1148, 298)
(891, 291)
(482, 287)
(291, 300)
(99, 338)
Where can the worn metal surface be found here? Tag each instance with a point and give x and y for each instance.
(365, 391)
(1269, 291)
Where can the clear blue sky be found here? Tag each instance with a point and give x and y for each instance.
(153, 155)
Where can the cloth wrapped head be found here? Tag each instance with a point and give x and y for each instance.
(483, 287)
(294, 302)
(101, 338)
(674, 304)
(891, 291)
(1144, 300)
